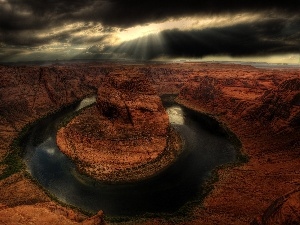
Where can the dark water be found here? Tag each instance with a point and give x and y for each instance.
(206, 147)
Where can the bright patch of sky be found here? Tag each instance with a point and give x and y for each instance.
(185, 23)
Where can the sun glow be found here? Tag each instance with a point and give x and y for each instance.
(184, 23)
(142, 48)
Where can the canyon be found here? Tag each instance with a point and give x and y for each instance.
(261, 106)
(125, 137)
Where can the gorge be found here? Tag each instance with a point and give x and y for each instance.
(259, 105)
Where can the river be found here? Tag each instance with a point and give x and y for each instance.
(206, 147)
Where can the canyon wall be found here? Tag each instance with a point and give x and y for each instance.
(261, 106)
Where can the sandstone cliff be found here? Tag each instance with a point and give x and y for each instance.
(236, 92)
(264, 113)
(125, 137)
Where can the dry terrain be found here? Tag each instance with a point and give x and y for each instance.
(261, 106)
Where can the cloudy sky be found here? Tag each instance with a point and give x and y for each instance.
(249, 30)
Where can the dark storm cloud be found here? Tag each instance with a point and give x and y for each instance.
(24, 39)
(8, 53)
(265, 38)
(33, 37)
(133, 12)
(36, 14)
(274, 36)
(34, 23)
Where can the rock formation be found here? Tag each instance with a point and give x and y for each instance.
(125, 137)
(265, 116)
(132, 103)
(18, 207)
(46, 215)
(279, 108)
(242, 97)
(284, 210)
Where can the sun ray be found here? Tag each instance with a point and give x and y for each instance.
(185, 23)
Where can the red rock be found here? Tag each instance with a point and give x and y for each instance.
(285, 210)
(278, 108)
(39, 214)
(241, 193)
(127, 139)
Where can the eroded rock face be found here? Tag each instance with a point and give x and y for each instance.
(263, 111)
(279, 108)
(125, 137)
(132, 102)
(285, 210)
(30, 92)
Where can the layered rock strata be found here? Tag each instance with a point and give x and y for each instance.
(125, 137)
(268, 126)
(241, 96)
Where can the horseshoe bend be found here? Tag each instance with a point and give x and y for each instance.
(125, 137)
(261, 106)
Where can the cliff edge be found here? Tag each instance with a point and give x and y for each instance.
(125, 137)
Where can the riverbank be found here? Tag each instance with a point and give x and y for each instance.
(240, 195)
(204, 149)
(125, 137)
(273, 159)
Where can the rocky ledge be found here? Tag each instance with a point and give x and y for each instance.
(125, 137)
